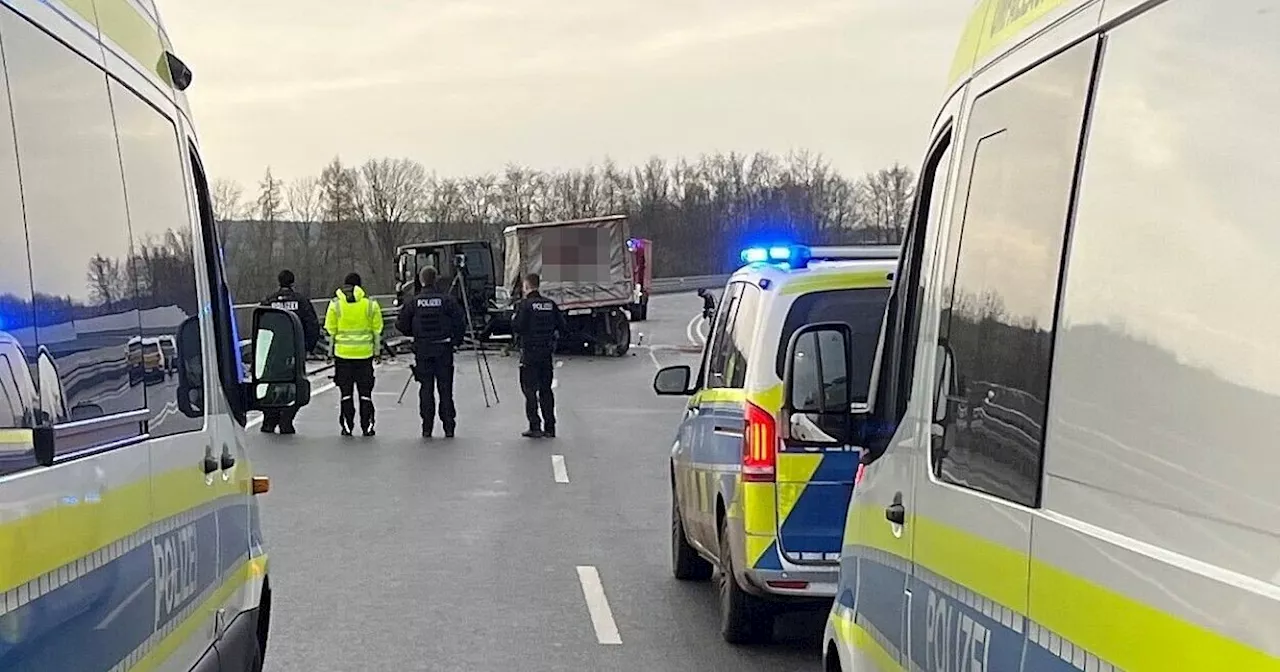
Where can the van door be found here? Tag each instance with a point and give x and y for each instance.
(990, 376)
(816, 468)
(717, 414)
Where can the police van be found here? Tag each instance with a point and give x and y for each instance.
(1071, 458)
(129, 534)
(759, 493)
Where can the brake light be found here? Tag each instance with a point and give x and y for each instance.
(759, 446)
(862, 471)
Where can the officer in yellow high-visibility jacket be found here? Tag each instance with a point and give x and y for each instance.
(354, 323)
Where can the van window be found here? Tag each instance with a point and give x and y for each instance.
(861, 309)
(741, 335)
(76, 220)
(1021, 147)
(1168, 372)
(17, 321)
(163, 258)
(717, 350)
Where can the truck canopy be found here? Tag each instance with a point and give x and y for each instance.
(583, 263)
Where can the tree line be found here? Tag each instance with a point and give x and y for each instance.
(698, 212)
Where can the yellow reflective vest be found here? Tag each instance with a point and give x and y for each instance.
(354, 323)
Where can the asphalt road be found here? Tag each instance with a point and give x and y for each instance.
(394, 553)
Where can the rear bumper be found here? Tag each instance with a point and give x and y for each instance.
(762, 581)
(821, 583)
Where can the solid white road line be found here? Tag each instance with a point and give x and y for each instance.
(702, 334)
(555, 382)
(598, 605)
(654, 358)
(254, 422)
(557, 468)
(688, 329)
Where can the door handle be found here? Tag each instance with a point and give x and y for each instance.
(209, 465)
(227, 460)
(896, 514)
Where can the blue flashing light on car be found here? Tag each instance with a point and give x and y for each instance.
(785, 256)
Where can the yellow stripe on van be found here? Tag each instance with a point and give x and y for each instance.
(819, 282)
(1068, 605)
(854, 637)
(122, 23)
(28, 550)
(993, 24)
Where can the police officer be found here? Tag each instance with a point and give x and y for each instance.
(354, 323)
(437, 324)
(537, 322)
(286, 298)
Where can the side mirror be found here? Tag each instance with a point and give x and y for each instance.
(190, 392)
(673, 381)
(817, 399)
(278, 379)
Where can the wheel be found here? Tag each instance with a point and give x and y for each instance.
(686, 564)
(744, 618)
(621, 329)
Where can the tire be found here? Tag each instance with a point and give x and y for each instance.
(744, 618)
(686, 564)
(621, 329)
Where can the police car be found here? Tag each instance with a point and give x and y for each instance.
(760, 487)
(129, 526)
(1071, 455)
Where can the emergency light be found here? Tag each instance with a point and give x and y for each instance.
(789, 255)
(799, 256)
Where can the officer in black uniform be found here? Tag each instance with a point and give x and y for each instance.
(537, 322)
(286, 298)
(437, 324)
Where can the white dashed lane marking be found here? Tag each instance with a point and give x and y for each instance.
(598, 606)
(558, 470)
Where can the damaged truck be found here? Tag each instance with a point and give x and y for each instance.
(585, 267)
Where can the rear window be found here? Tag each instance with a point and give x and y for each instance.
(861, 309)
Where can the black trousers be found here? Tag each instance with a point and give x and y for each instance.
(535, 381)
(357, 374)
(273, 418)
(435, 375)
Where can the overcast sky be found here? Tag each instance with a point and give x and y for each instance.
(465, 86)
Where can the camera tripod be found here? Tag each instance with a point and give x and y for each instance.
(482, 358)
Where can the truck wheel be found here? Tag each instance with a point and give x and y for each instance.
(621, 333)
(686, 564)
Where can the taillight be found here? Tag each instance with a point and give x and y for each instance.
(862, 471)
(759, 446)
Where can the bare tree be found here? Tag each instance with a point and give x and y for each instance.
(228, 201)
(393, 197)
(303, 198)
(885, 198)
(106, 280)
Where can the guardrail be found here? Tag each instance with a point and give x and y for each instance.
(688, 283)
(660, 286)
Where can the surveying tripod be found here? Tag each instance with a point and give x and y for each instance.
(482, 358)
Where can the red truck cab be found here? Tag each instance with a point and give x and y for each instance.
(641, 251)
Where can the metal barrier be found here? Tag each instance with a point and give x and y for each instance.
(660, 286)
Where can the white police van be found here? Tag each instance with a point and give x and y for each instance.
(1071, 443)
(760, 485)
(129, 535)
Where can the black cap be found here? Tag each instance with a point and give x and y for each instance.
(285, 278)
(351, 279)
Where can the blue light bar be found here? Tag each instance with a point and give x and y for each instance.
(786, 256)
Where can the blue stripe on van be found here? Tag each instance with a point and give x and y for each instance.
(951, 629)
